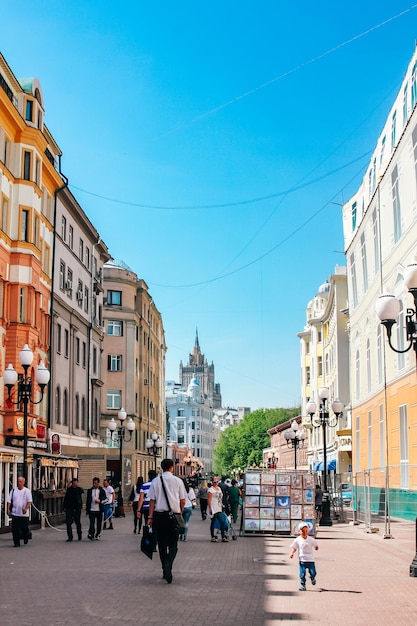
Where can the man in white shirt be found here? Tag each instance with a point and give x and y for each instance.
(108, 507)
(18, 505)
(96, 496)
(159, 514)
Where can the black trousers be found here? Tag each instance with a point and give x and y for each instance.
(73, 516)
(20, 528)
(167, 539)
(96, 517)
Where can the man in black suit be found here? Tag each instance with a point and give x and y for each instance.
(72, 508)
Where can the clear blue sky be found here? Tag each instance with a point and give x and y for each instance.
(196, 108)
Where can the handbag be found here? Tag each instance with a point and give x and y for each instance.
(147, 544)
(177, 519)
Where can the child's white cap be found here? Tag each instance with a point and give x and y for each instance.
(303, 525)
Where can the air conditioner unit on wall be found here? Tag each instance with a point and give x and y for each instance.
(79, 296)
(68, 285)
(145, 381)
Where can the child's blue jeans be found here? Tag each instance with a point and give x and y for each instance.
(307, 565)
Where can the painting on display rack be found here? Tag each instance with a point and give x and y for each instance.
(277, 501)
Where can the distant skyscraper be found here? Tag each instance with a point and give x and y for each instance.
(198, 367)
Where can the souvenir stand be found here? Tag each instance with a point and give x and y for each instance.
(277, 501)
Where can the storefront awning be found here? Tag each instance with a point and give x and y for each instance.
(331, 466)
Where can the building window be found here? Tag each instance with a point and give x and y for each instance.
(383, 142)
(66, 343)
(375, 234)
(22, 305)
(77, 350)
(86, 299)
(4, 215)
(94, 360)
(180, 412)
(68, 286)
(405, 104)
(413, 86)
(114, 298)
(81, 250)
(58, 405)
(77, 411)
(36, 231)
(65, 407)
(396, 206)
(87, 257)
(354, 215)
(84, 354)
(180, 425)
(114, 362)
(62, 275)
(38, 172)
(353, 279)
(400, 337)
(58, 338)
(114, 399)
(319, 366)
(64, 229)
(27, 158)
(369, 439)
(83, 415)
(358, 444)
(381, 436)
(364, 263)
(29, 111)
(70, 237)
(24, 225)
(115, 328)
(80, 294)
(404, 446)
(393, 130)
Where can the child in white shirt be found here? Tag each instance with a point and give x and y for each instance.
(305, 545)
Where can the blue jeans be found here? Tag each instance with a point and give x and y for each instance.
(311, 567)
(186, 513)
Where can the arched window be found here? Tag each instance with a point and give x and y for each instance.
(58, 405)
(77, 411)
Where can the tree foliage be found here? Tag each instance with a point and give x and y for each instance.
(242, 445)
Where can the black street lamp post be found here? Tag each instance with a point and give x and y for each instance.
(388, 310)
(122, 433)
(295, 438)
(324, 420)
(24, 392)
(154, 445)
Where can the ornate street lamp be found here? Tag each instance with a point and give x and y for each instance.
(388, 309)
(24, 392)
(295, 439)
(324, 420)
(154, 445)
(121, 433)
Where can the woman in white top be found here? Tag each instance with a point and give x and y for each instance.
(215, 509)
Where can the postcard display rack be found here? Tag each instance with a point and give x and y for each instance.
(276, 502)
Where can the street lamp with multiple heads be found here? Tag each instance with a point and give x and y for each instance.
(324, 420)
(295, 438)
(388, 310)
(24, 392)
(122, 433)
(154, 445)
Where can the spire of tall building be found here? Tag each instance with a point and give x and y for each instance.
(198, 367)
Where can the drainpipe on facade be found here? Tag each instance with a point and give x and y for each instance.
(51, 328)
(90, 343)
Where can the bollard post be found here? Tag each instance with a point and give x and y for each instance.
(43, 519)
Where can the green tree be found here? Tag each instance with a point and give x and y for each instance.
(242, 445)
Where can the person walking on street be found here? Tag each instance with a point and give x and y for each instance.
(143, 504)
(18, 505)
(159, 516)
(134, 499)
(188, 509)
(318, 502)
(202, 496)
(108, 505)
(72, 506)
(234, 495)
(215, 509)
(305, 545)
(96, 496)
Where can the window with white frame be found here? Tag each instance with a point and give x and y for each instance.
(114, 297)
(64, 228)
(353, 279)
(114, 362)
(113, 399)
(115, 328)
(404, 447)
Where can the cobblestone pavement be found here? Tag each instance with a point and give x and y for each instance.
(363, 579)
